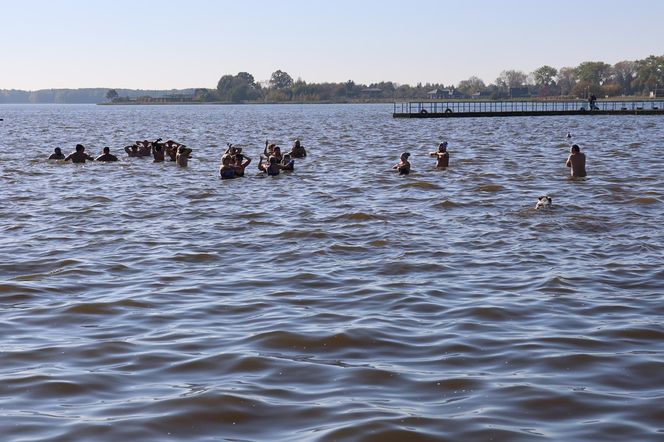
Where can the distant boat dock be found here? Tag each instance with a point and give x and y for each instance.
(459, 109)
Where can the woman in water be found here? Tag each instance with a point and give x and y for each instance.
(227, 170)
(403, 166)
(272, 168)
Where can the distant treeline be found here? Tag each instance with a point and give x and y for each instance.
(626, 78)
(91, 95)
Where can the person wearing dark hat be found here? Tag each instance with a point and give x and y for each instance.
(79, 156)
(403, 166)
(106, 156)
(57, 154)
(442, 156)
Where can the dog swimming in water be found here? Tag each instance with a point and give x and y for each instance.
(543, 202)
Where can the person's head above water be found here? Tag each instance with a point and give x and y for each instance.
(106, 150)
(575, 148)
(442, 146)
(80, 148)
(405, 155)
(296, 143)
(58, 150)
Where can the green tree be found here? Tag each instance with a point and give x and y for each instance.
(650, 73)
(224, 86)
(595, 73)
(237, 88)
(624, 73)
(112, 94)
(567, 79)
(545, 76)
(510, 78)
(246, 78)
(471, 86)
(280, 80)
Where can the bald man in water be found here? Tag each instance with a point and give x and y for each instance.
(576, 161)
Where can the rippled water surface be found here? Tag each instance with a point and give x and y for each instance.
(146, 302)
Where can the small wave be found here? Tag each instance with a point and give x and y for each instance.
(425, 185)
(195, 257)
(489, 188)
(645, 200)
(447, 204)
(379, 243)
(359, 216)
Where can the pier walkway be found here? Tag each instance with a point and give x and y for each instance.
(457, 109)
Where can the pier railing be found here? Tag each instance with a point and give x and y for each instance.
(437, 107)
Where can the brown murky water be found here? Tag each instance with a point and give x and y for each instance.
(144, 302)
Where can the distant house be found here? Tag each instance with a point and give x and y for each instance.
(439, 94)
(175, 98)
(519, 92)
(372, 92)
(481, 94)
(657, 93)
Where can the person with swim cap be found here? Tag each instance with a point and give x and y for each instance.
(106, 156)
(403, 166)
(79, 156)
(442, 156)
(57, 154)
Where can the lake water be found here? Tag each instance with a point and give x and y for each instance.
(147, 302)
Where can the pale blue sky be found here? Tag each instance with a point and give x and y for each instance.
(177, 44)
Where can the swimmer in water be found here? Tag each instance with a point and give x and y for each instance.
(240, 163)
(298, 150)
(171, 149)
(226, 171)
(145, 148)
(287, 163)
(57, 154)
(183, 155)
(158, 152)
(106, 155)
(272, 168)
(272, 150)
(576, 161)
(79, 156)
(403, 166)
(442, 156)
(132, 150)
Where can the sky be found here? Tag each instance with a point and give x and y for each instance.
(148, 44)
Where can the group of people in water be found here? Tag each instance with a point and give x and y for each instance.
(576, 161)
(233, 161)
(442, 159)
(176, 152)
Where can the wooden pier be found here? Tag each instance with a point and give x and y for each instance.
(460, 109)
